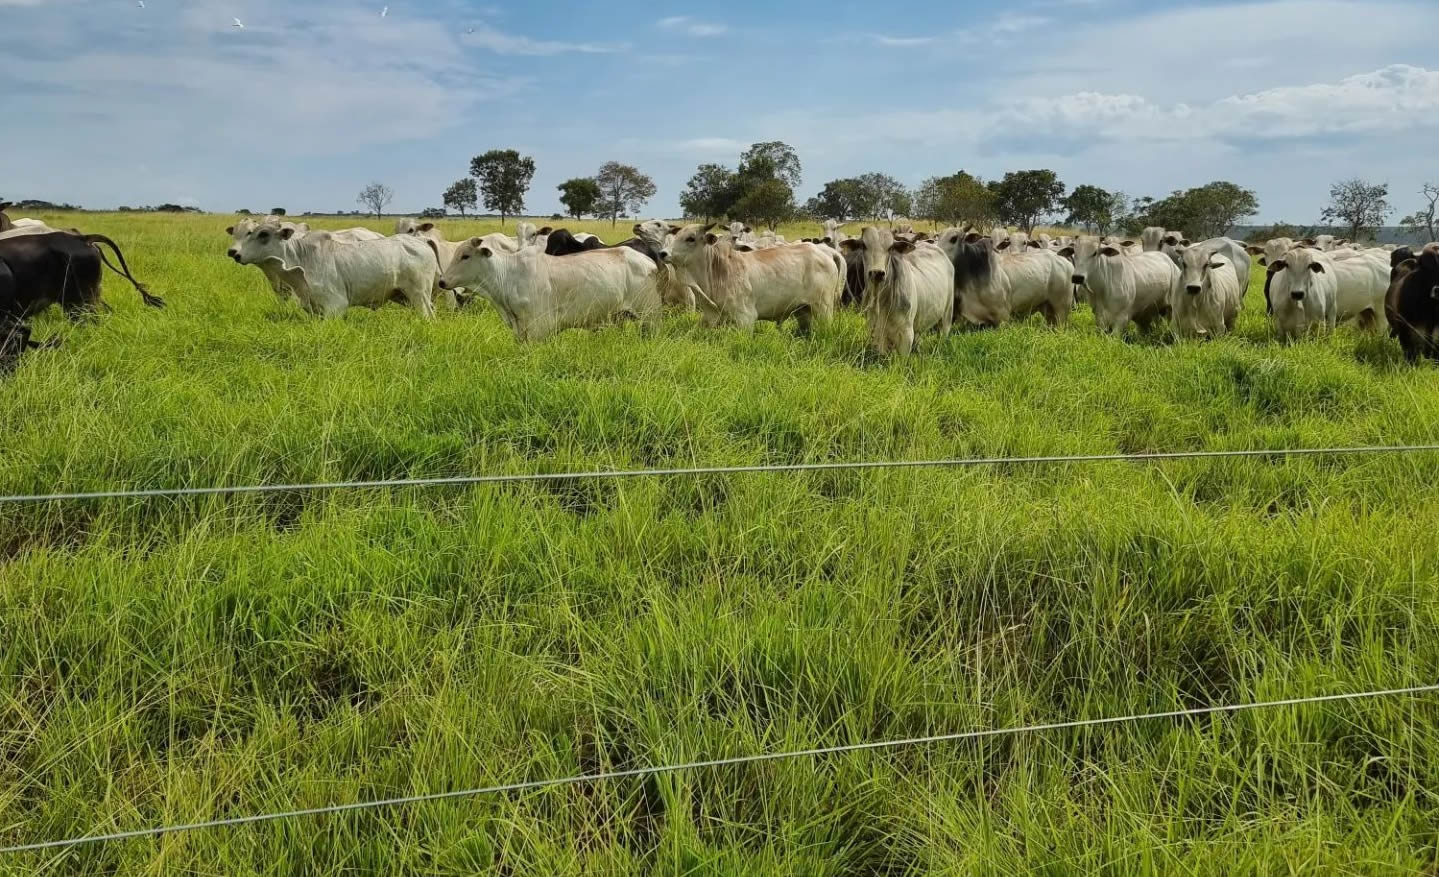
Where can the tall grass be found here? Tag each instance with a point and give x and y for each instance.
(176, 660)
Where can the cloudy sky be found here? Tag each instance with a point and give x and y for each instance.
(107, 103)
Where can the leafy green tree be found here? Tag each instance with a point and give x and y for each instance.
(769, 202)
(1357, 205)
(1022, 197)
(623, 190)
(504, 176)
(709, 194)
(580, 195)
(463, 196)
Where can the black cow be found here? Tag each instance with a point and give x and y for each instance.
(562, 243)
(39, 270)
(15, 340)
(1412, 305)
(971, 253)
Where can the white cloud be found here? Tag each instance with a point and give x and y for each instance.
(502, 43)
(689, 26)
(901, 42)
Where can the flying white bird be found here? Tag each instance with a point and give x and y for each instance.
(384, 12)
(238, 23)
(471, 30)
(140, 3)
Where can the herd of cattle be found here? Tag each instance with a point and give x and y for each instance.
(542, 280)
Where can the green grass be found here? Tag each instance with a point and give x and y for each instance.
(176, 660)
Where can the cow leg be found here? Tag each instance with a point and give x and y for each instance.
(422, 301)
(804, 317)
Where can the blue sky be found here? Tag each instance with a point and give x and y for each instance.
(106, 103)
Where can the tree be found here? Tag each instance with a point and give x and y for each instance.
(958, 199)
(883, 195)
(277, 211)
(1094, 208)
(623, 190)
(580, 195)
(770, 202)
(771, 160)
(839, 199)
(1357, 205)
(1421, 223)
(433, 213)
(504, 177)
(1022, 197)
(462, 195)
(375, 196)
(709, 194)
(1203, 212)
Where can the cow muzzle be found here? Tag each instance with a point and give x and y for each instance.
(1077, 280)
(877, 276)
(1193, 290)
(234, 254)
(1296, 294)
(443, 284)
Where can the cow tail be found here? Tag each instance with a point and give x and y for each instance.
(843, 271)
(94, 240)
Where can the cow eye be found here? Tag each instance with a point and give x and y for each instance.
(264, 235)
(690, 239)
(464, 257)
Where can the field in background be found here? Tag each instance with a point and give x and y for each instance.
(170, 661)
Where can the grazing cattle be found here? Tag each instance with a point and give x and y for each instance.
(1153, 238)
(834, 233)
(58, 268)
(741, 232)
(525, 233)
(672, 291)
(1122, 289)
(539, 295)
(1206, 297)
(446, 249)
(737, 288)
(1412, 304)
(561, 243)
(330, 276)
(1310, 289)
(909, 289)
(993, 286)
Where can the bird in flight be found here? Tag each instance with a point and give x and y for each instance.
(140, 3)
(238, 23)
(384, 12)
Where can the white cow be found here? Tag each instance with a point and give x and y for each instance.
(993, 286)
(1120, 288)
(909, 289)
(1233, 251)
(539, 295)
(1206, 297)
(271, 270)
(328, 276)
(525, 233)
(834, 233)
(737, 288)
(26, 227)
(1153, 238)
(1308, 289)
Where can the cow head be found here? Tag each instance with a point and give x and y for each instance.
(1196, 266)
(1300, 266)
(1088, 256)
(689, 244)
(264, 242)
(471, 266)
(872, 249)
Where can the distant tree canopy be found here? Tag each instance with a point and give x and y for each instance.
(433, 213)
(1358, 206)
(1096, 209)
(580, 196)
(1022, 197)
(623, 190)
(715, 191)
(1421, 223)
(958, 199)
(1203, 212)
(504, 176)
(462, 195)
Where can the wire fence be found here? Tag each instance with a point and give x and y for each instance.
(1229, 709)
(615, 474)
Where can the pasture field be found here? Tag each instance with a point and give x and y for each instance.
(169, 661)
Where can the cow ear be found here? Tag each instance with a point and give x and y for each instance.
(1310, 242)
(1278, 265)
(1067, 252)
(287, 233)
(748, 230)
(486, 252)
(901, 247)
(1184, 243)
(711, 238)
(972, 237)
(1003, 246)
(1253, 250)
(676, 229)
(1316, 267)
(1034, 245)
(1109, 251)
(230, 230)
(1127, 244)
(427, 226)
(743, 248)
(852, 246)
(549, 231)
(476, 242)
(1215, 266)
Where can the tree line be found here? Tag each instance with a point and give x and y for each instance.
(760, 190)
